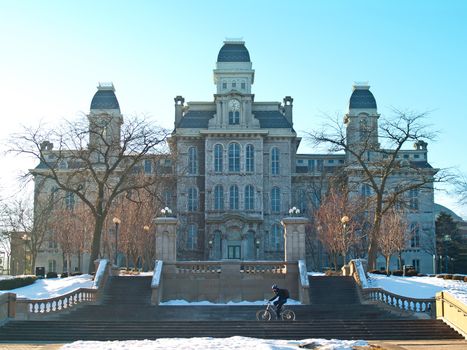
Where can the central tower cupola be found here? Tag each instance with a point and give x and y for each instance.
(234, 68)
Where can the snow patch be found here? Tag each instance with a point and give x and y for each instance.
(180, 302)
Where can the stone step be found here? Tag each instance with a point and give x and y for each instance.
(350, 329)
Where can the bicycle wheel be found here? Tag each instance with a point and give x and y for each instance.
(288, 315)
(263, 315)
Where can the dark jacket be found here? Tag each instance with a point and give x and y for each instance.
(280, 293)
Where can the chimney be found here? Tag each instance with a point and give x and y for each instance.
(179, 101)
(288, 108)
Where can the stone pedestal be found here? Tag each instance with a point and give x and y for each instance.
(294, 237)
(166, 238)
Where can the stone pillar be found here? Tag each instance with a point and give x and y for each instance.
(166, 238)
(294, 237)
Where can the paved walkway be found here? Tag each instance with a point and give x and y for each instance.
(374, 345)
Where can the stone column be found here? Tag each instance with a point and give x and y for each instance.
(294, 237)
(166, 238)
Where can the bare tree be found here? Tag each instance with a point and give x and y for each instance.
(393, 238)
(336, 223)
(368, 163)
(92, 162)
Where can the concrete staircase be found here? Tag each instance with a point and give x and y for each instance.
(126, 313)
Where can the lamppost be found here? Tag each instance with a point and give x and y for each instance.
(344, 220)
(446, 240)
(117, 222)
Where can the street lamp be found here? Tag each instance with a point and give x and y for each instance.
(117, 222)
(344, 220)
(446, 240)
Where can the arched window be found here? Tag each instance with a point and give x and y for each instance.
(218, 158)
(192, 237)
(249, 197)
(275, 200)
(249, 158)
(192, 199)
(234, 157)
(233, 197)
(275, 161)
(218, 197)
(277, 238)
(192, 161)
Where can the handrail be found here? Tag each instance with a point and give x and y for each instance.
(452, 311)
(401, 302)
(60, 303)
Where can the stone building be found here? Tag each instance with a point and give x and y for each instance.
(238, 171)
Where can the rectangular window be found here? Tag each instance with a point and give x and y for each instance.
(234, 84)
(414, 235)
(147, 166)
(52, 266)
(416, 264)
(224, 86)
(311, 165)
(413, 199)
(319, 165)
(243, 86)
(416, 156)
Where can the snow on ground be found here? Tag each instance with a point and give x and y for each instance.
(52, 287)
(232, 343)
(418, 287)
(316, 274)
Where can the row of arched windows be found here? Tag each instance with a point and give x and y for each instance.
(249, 197)
(233, 161)
(234, 198)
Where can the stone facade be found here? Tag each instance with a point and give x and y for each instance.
(238, 172)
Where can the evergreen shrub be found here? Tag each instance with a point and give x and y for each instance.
(17, 282)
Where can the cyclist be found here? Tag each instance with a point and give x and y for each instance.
(281, 294)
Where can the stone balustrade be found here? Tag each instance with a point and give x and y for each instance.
(27, 309)
(415, 305)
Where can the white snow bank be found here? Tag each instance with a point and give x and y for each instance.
(52, 287)
(419, 287)
(232, 343)
(316, 273)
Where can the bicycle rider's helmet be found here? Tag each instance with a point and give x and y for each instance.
(274, 286)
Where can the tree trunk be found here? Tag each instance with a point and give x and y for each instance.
(388, 258)
(96, 243)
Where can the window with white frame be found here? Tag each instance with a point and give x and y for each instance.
(275, 200)
(233, 197)
(52, 265)
(192, 237)
(218, 158)
(218, 197)
(249, 197)
(192, 161)
(275, 161)
(414, 235)
(234, 157)
(249, 158)
(192, 199)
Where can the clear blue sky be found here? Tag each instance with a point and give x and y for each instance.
(413, 53)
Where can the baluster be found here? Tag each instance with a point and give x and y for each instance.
(47, 307)
(42, 307)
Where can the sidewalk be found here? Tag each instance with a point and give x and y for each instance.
(419, 345)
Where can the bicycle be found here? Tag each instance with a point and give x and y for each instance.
(266, 314)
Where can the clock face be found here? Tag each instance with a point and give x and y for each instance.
(234, 105)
